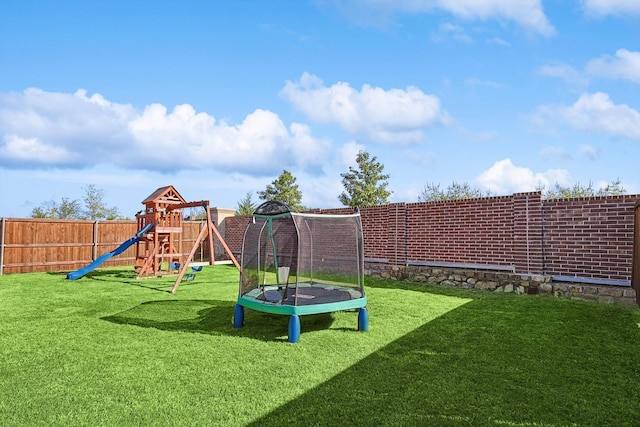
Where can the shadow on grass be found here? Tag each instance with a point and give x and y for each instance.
(104, 271)
(496, 361)
(130, 277)
(213, 317)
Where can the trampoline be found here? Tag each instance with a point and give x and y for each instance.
(301, 263)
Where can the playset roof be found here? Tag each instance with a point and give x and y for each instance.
(165, 194)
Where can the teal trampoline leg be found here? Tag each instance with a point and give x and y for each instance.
(294, 328)
(238, 316)
(363, 320)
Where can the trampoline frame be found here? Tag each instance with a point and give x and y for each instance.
(286, 309)
(294, 311)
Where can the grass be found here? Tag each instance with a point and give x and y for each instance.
(112, 350)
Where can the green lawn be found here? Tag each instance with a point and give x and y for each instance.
(112, 350)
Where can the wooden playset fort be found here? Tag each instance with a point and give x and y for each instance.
(160, 250)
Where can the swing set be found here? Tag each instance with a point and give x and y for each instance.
(162, 247)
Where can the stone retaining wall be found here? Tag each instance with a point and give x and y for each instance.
(500, 281)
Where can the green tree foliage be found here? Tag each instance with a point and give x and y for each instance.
(455, 191)
(65, 209)
(366, 185)
(284, 189)
(613, 188)
(246, 205)
(94, 207)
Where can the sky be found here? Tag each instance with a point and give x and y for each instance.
(218, 98)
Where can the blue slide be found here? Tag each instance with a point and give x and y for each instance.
(102, 258)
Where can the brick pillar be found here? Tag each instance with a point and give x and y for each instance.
(635, 274)
(527, 232)
(218, 216)
(397, 233)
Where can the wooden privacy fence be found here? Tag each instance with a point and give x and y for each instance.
(28, 245)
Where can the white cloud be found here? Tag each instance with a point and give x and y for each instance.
(611, 7)
(40, 128)
(505, 178)
(32, 150)
(448, 31)
(321, 191)
(565, 72)
(597, 112)
(196, 138)
(348, 154)
(625, 65)
(307, 150)
(75, 124)
(594, 112)
(525, 13)
(394, 115)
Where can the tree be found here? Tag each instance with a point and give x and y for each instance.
(246, 205)
(284, 189)
(613, 188)
(95, 206)
(366, 185)
(66, 209)
(72, 209)
(455, 191)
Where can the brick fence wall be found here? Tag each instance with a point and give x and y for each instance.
(499, 231)
(589, 237)
(585, 238)
(234, 227)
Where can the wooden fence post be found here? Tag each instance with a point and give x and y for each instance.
(94, 250)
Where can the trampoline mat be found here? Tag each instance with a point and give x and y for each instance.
(316, 295)
(310, 295)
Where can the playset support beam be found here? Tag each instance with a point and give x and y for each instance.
(208, 228)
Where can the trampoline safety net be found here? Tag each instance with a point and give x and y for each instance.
(291, 258)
